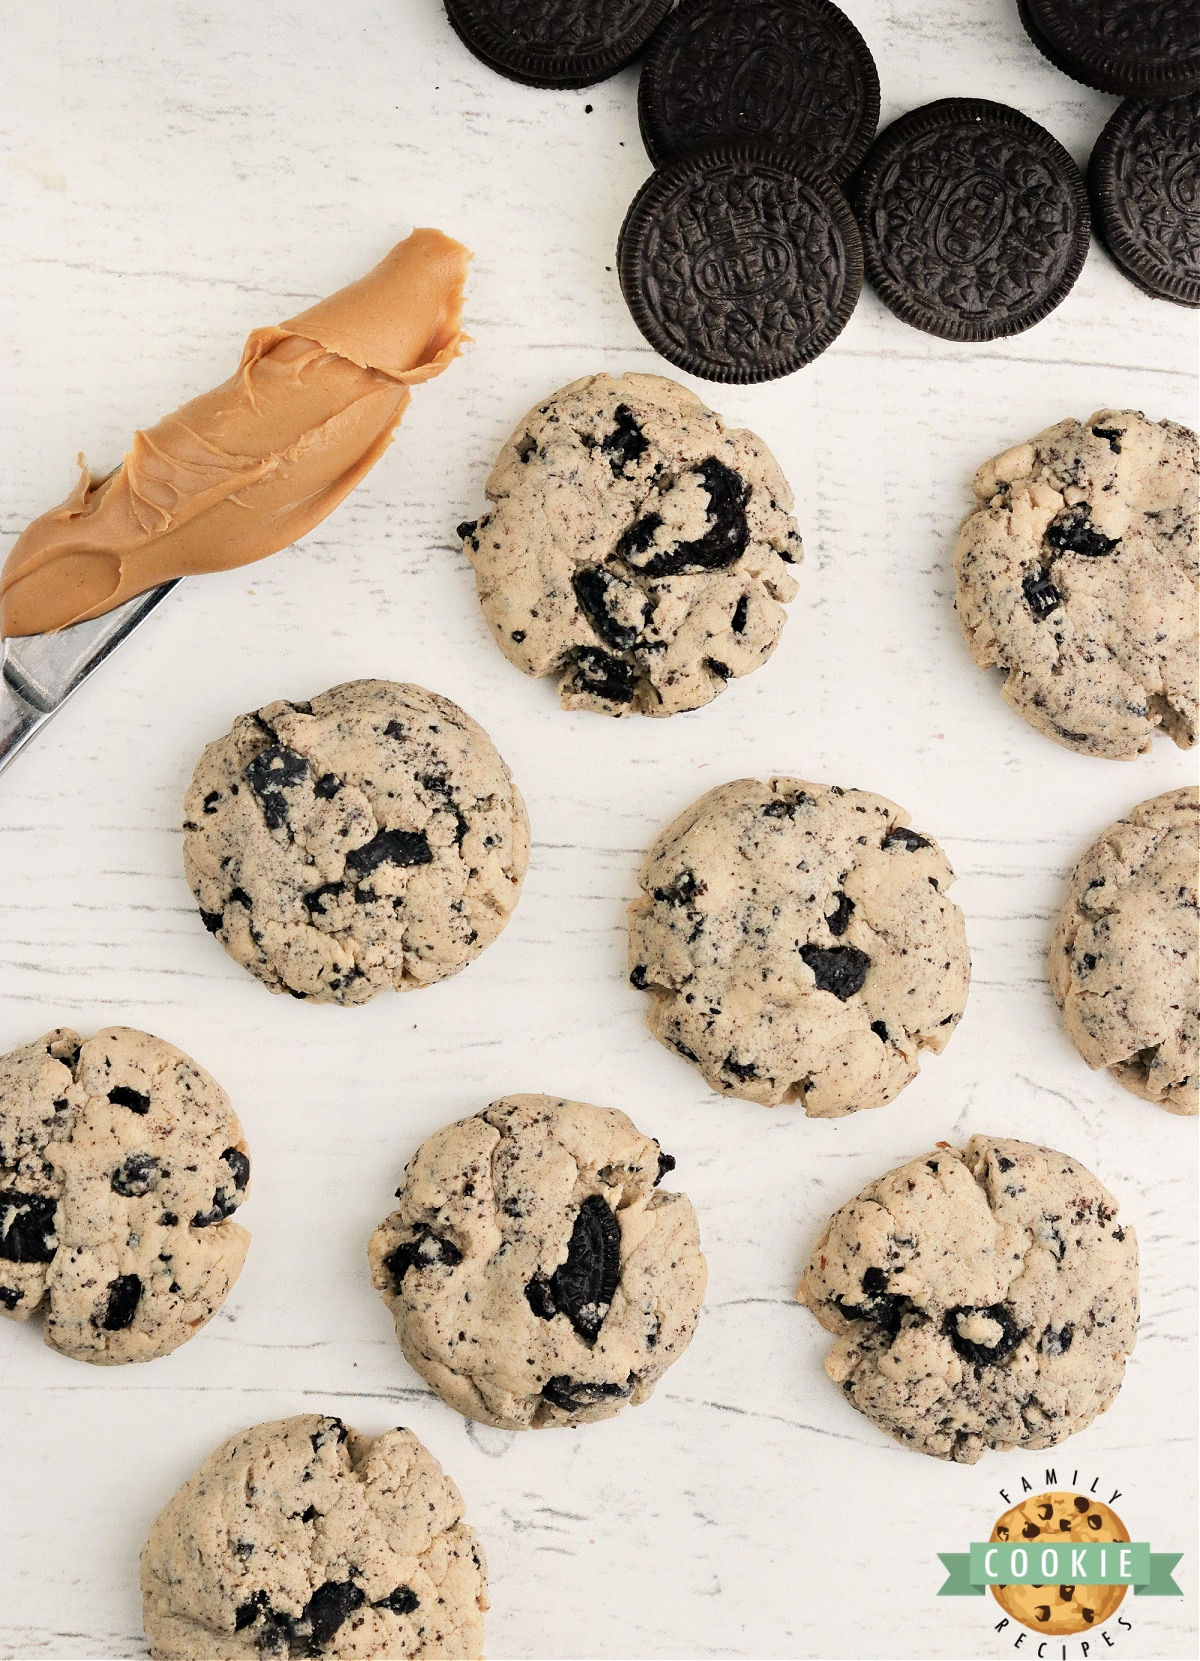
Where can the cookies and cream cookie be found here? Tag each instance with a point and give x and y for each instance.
(304, 1538)
(372, 837)
(1077, 574)
(1123, 963)
(121, 1163)
(797, 942)
(636, 547)
(982, 1298)
(536, 1272)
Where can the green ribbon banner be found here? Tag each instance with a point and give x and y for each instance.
(1045, 1563)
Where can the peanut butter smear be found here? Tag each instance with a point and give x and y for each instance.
(244, 470)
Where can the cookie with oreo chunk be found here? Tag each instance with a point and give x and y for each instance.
(636, 548)
(370, 838)
(1077, 574)
(798, 943)
(982, 1298)
(304, 1538)
(1123, 962)
(536, 1272)
(121, 1165)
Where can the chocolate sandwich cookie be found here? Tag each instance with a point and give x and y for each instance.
(974, 219)
(794, 71)
(740, 262)
(1144, 182)
(555, 43)
(1143, 48)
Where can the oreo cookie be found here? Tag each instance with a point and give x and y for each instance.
(1144, 182)
(740, 262)
(555, 43)
(795, 72)
(974, 219)
(1144, 48)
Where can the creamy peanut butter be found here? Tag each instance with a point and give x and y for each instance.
(244, 470)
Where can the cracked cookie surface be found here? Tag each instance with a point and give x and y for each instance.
(304, 1538)
(121, 1163)
(1078, 575)
(798, 943)
(536, 1273)
(370, 838)
(1123, 962)
(982, 1298)
(636, 547)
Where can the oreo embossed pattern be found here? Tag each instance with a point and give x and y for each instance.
(796, 71)
(555, 43)
(1144, 182)
(740, 263)
(1144, 48)
(974, 220)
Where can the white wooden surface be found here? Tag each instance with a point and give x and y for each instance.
(176, 173)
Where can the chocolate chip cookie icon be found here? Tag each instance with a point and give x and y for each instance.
(1059, 1518)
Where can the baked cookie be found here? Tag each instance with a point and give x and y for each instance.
(1060, 1519)
(636, 548)
(797, 943)
(121, 1163)
(370, 838)
(1078, 575)
(304, 1538)
(980, 1299)
(1123, 964)
(536, 1273)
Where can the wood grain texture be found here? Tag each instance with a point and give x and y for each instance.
(175, 174)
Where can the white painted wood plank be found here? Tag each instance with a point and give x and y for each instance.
(176, 174)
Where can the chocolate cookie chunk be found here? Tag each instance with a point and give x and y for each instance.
(798, 944)
(369, 838)
(1077, 574)
(974, 219)
(740, 262)
(982, 1298)
(121, 1163)
(1123, 962)
(555, 43)
(796, 72)
(1144, 182)
(1143, 48)
(536, 1272)
(636, 547)
(304, 1538)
